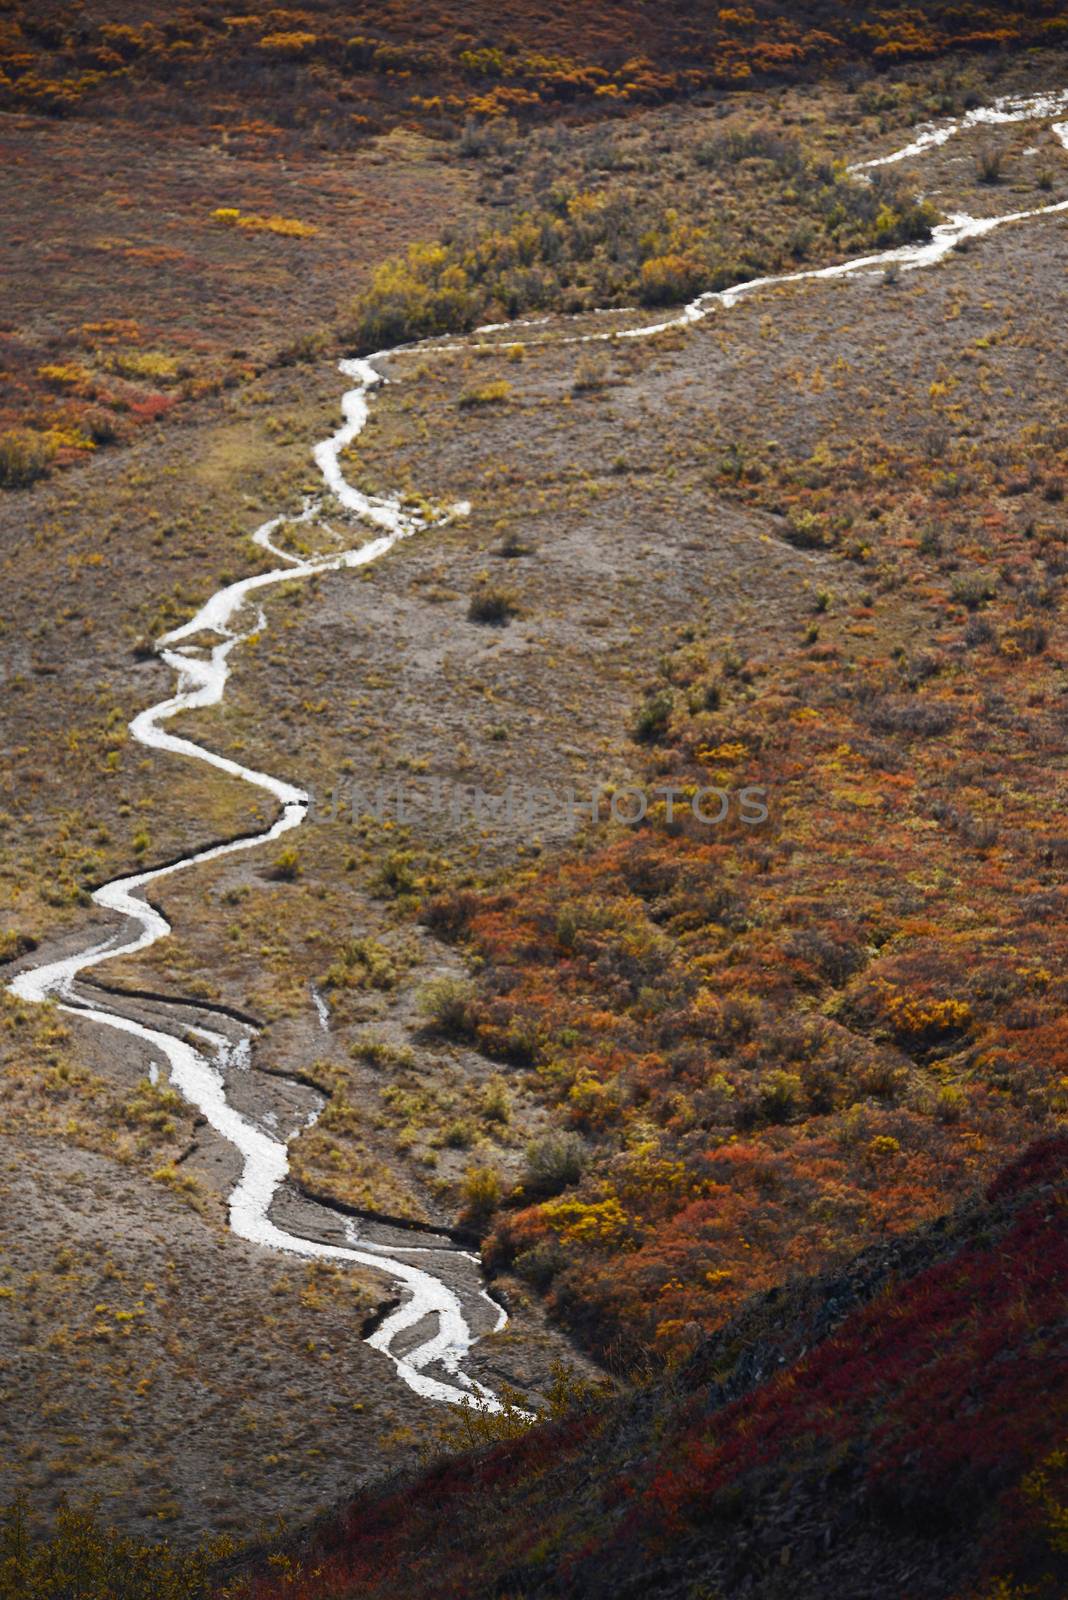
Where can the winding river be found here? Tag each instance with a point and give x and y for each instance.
(428, 1335)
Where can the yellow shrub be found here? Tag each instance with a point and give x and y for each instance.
(83, 1558)
(64, 375)
(582, 1222)
(287, 227)
(24, 457)
(667, 280)
(295, 45)
(922, 1018)
(150, 364)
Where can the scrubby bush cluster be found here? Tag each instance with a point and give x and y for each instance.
(611, 241)
(25, 456)
(86, 1560)
(777, 1043)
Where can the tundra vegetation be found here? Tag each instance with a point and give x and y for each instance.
(768, 1120)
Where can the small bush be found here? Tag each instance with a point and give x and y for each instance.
(496, 1102)
(653, 718)
(13, 945)
(780, 1095)
(480, 1193)
(24, 457)
(493, 606)
(978, 632)
(488, 394)
(974, 589)
(511, 547)
(459, 1134)
(553, 1163)
(806, 531)
(361, 964)
(671, 279)
(380, 1053)
(100, 426)
(591, 372)
(990, 166)
(446, 1005)
(920, 718)
(293, 46)
(286, 866)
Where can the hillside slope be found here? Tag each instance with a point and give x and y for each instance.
(897, 1430)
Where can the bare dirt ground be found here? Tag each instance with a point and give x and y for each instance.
(593, 509)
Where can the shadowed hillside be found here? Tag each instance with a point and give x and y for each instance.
(895, 1430)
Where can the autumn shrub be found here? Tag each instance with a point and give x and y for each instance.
(459, 1134)
(741, 144)
(493, 606)
(24, 457)
(101, 425)
(781, 1045)
(780, 1095)
(908, 1409)
(591, 372)
(425, 293)
(294, 77)
(806, 530)
(495, 1102)
(83, 1559)
(292, 46)
(361, 963)
(485, 394)
(911, 717)
(670, 279)
(286, 867)
(612, 242)
(480, 1194)
(835, 959)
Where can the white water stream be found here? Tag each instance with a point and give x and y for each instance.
(199, 1074)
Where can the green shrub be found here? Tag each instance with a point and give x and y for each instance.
(446, 1004)
(380, 1053)
(459, 1134)
(613, 243)
(652, 720)
(780, 1095)
(361, 964)
(973, 589)
(553, 1163)
(806, 530)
